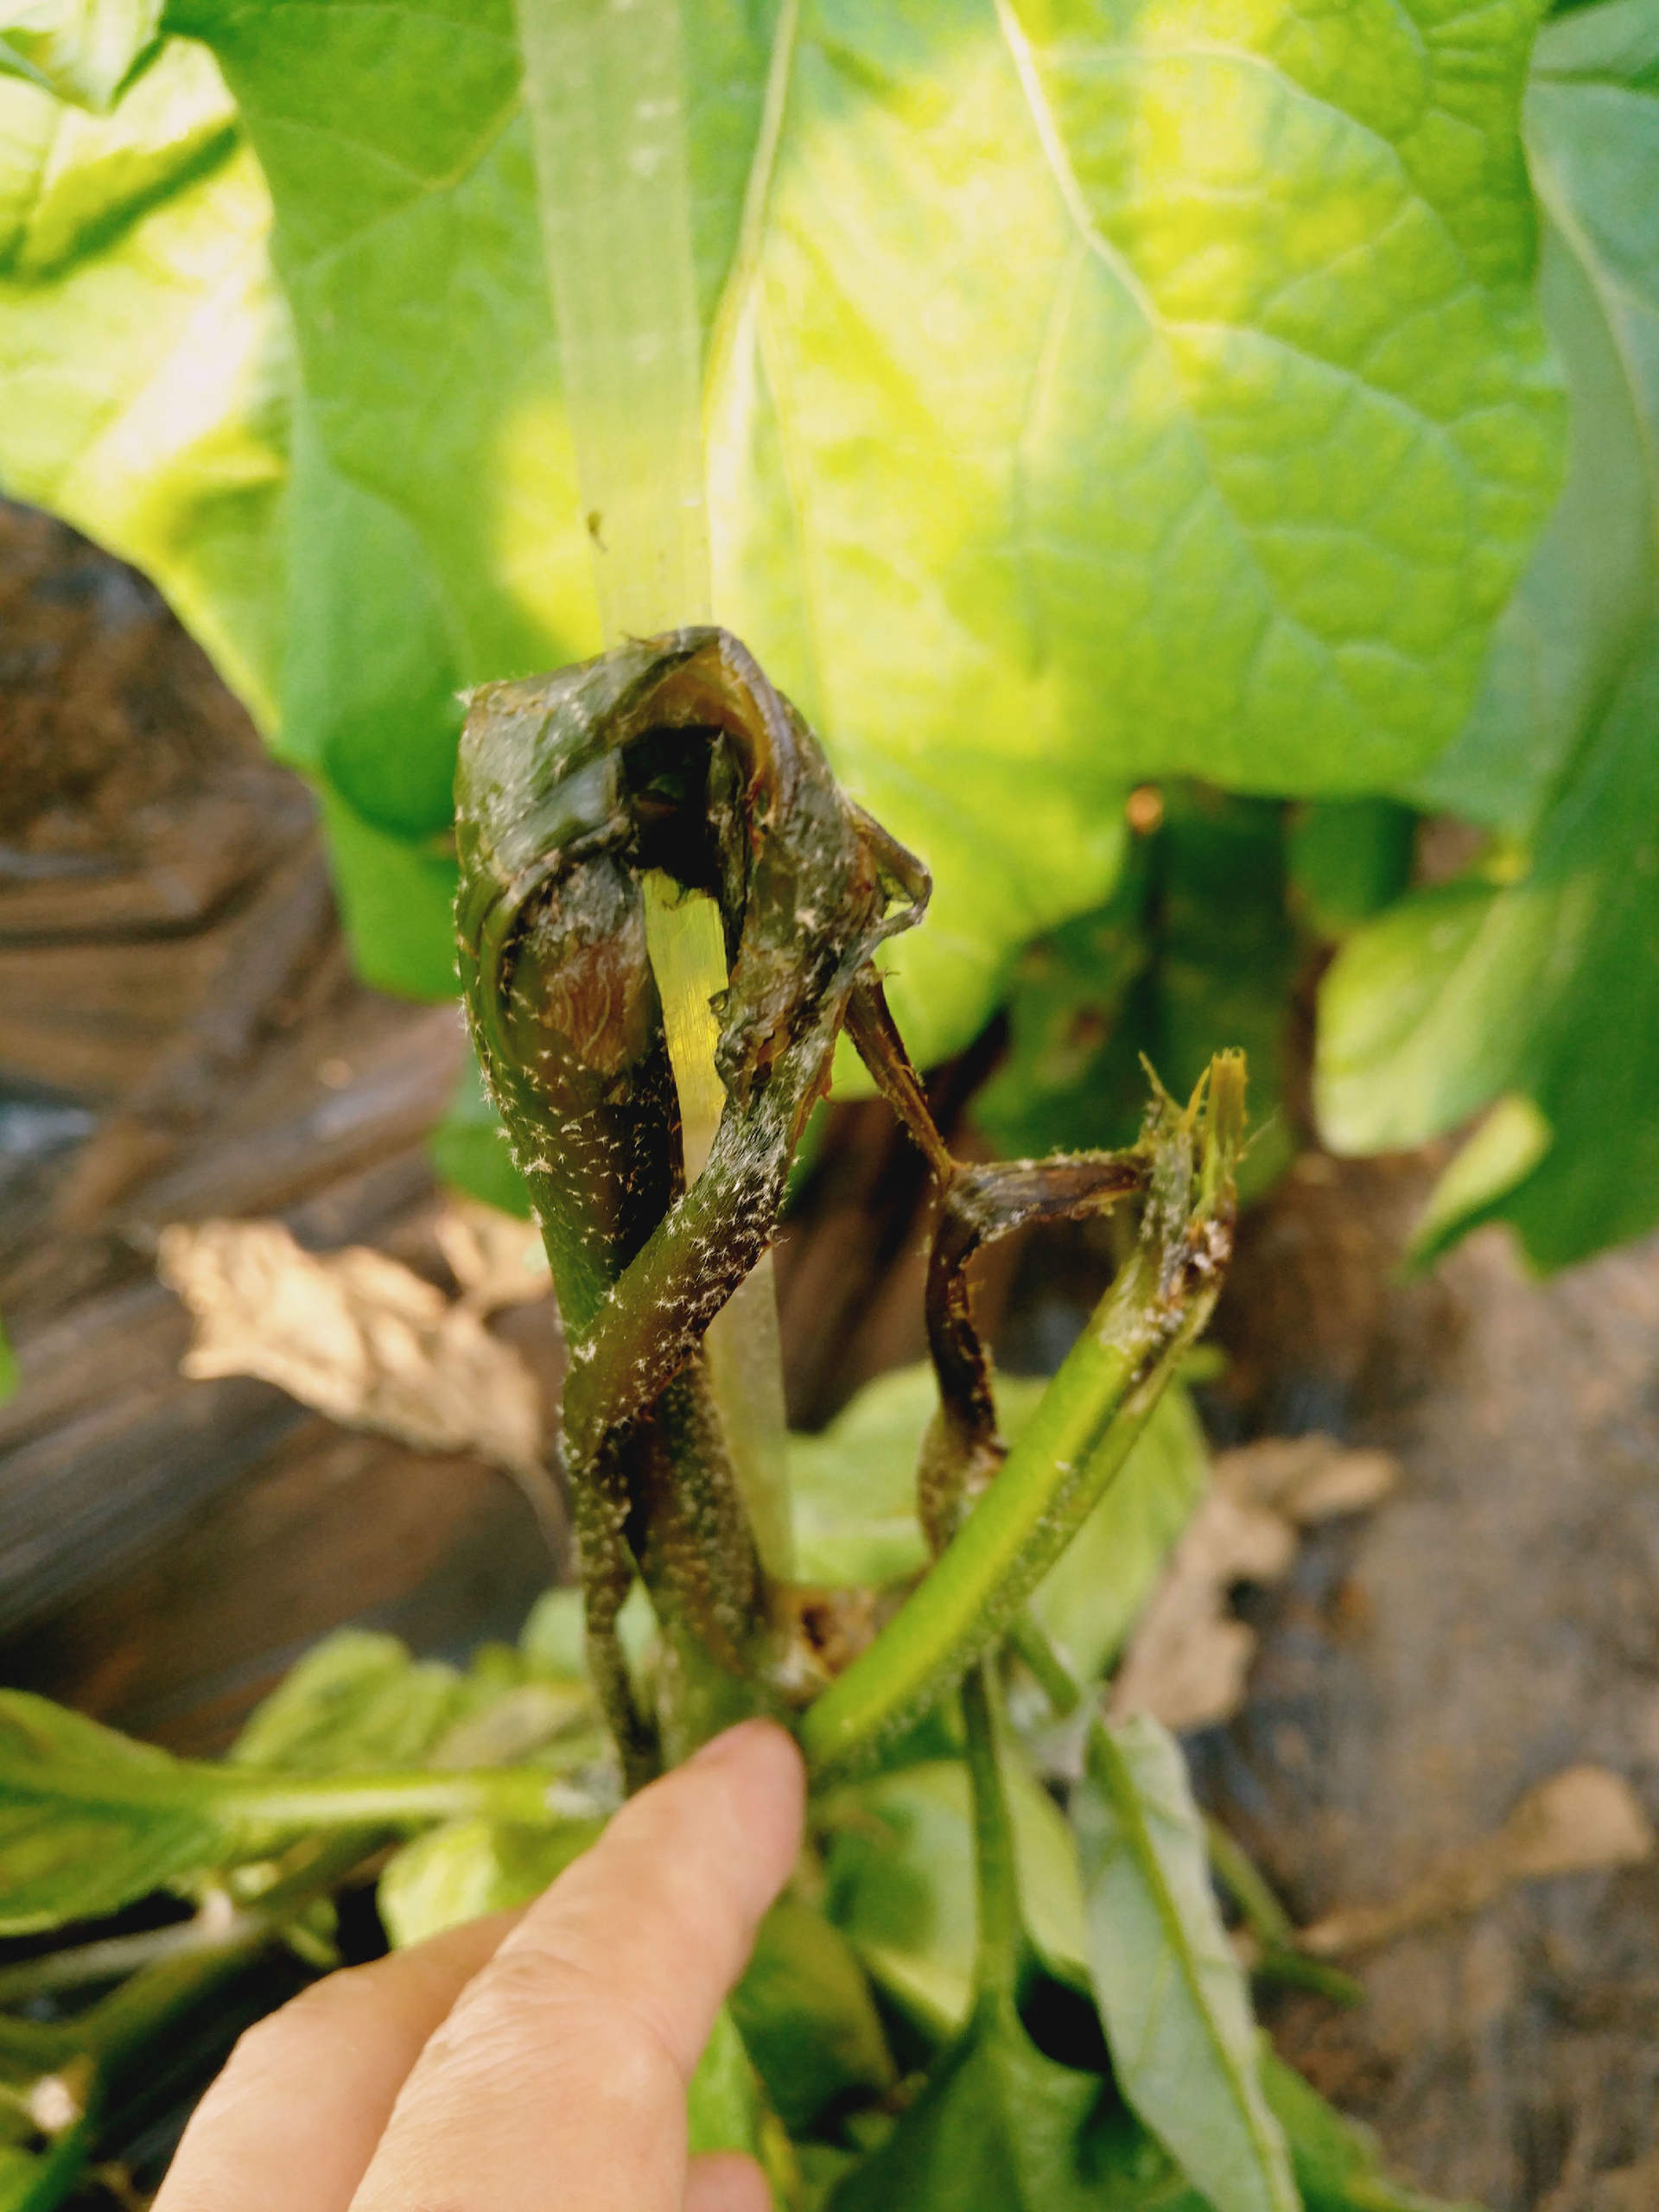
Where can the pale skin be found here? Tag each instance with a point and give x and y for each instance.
(531, 2059)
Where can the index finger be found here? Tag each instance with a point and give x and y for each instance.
(562, 2070)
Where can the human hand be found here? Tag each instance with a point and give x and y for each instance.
(531, 2059)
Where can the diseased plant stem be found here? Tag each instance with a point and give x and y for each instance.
(604, 89)
(1089, 1420)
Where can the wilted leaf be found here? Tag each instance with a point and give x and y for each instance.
(1187, 1661)
(1583, 1818)
(359, 1337)
(1171, 1994)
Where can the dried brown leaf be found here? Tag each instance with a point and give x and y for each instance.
(1188, 1659)
(1585, 1817)
(497, 1259)
(361, 1338)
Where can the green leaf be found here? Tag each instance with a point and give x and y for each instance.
(722, 2106)
(397, 901)
(355, 1700)
(1534, 980)
(853, 1491)
(90, 1820)
(1349, 859)
(81, 50)
(1587, 597)
(469, 1148)
(807, 2018)
(553, 1639)
(1002, 2127)
(853, 1486)
(8, 1368)
(1502, 1153)
(1544, 987)
(1172, 1995)
(467, 1868)
(1038, 341)
(19, 2173)
(1196, 953)
(901, 1875)
(145, 356)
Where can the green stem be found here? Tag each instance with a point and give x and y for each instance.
(1087, 1423)
(304, 1802)
(1030, 1642)
(513, 1794)
(997, 1955)
(1241, 1878)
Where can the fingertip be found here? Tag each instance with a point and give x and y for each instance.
(726, 2181)
(760, 1743)
(760, 1764)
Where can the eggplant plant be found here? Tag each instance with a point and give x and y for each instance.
(1068, 404)
(1099, 2048)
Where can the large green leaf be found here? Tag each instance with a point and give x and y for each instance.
(1587, 597)
(145, 352)
(1041, 340)
(1534, 980)
(82, 50)
(1173, 1996)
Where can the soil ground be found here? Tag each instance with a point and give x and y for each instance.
(181, 1037)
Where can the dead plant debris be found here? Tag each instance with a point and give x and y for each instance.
(1189, 1658)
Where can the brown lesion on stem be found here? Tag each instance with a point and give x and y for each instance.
(675, 754)
(672, 754)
